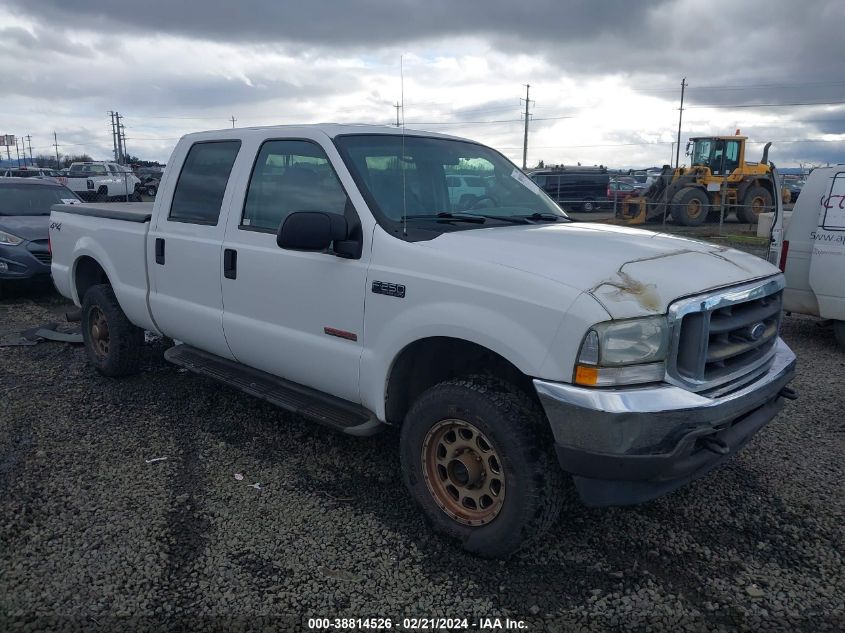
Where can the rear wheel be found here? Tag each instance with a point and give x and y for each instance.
(102, 195)
(152, 191)
(475, 457)
(757, 200)
(588, 206)
(113, 344)
(689, 207)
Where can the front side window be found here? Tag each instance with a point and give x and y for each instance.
(290, 176)
(701, 152)
(202, 182)
(408, 180)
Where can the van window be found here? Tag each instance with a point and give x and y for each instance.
(290, 176)
(202, 182)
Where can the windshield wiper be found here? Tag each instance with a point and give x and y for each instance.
(544, 217)
(445, 216)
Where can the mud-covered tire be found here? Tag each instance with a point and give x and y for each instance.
(757, 200)
(839, 333)
(519, 432)
(689, 206)
(122, 355)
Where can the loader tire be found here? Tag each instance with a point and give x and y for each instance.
(689, 207)
(757, 200)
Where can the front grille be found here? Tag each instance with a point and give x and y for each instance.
(725, 337)
(44, 258)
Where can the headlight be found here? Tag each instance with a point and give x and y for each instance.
(623, 353)
(9, 240)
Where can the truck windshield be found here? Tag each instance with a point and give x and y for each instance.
(442, 180)
(32, 199)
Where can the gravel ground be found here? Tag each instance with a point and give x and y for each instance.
(93, 537)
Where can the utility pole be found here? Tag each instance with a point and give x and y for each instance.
(123, 143)
(113, 135)
(525, 138)
(56, 145)
(117, 119)
(680, 118)
(233, 119)
(29, 142)
(17, 153)
(397, 106)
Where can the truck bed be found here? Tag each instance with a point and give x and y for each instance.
(127, 211)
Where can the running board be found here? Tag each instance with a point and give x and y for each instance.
(328, 410)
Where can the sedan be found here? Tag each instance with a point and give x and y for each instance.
(618, 191)
(24, 226)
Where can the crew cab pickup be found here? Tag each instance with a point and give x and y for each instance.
(327, 270)
(99, 181)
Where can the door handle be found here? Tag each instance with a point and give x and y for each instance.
(160, 251)
(230, 263)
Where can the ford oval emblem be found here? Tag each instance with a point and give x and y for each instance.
(756, 331)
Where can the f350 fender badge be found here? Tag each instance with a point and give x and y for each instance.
(389, 289)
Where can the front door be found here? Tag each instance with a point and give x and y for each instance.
(185, 249)
(298, 315)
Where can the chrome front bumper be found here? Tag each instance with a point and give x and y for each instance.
(630, 445)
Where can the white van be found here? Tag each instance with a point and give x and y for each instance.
(811, 251)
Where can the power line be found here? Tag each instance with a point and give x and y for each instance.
(767, 105)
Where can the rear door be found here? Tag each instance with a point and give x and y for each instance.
(185, 248)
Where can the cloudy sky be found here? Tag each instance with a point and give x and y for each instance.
(605, 75)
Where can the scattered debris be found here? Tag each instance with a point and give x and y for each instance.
(257, 486)
(155, 459)
(754, 591)
(33, 336)
(239, 477)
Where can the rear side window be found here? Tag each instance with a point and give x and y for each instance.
(290, 176)
(202, 182)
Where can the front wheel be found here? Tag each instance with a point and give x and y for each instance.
(689, 207)
(757, 200)
(475, 457)
(588, 206)
(113, 344)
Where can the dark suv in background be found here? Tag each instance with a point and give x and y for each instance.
(574, 188)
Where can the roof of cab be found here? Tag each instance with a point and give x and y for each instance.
(331, 130)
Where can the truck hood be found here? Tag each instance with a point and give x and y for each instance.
(631, 272)
(29, 227)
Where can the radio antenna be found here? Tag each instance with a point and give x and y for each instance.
(402, 157)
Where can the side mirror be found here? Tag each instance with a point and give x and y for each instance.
(317, 231)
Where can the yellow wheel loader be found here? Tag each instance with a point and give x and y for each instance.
(692, 195)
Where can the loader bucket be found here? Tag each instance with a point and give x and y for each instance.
(631, 211)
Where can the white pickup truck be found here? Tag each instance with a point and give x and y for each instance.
(326, 270)
(101, 181)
